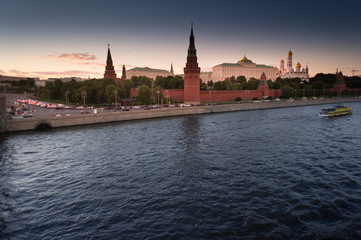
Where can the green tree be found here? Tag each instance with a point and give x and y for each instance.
(176, 83)
(241, 80)
(128, 85)
(220, 85)
(109, 93)
(287, 92)
(144, 94)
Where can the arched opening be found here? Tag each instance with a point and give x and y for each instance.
(43, 126)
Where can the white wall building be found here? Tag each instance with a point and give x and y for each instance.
(148, 72)
(244, 67)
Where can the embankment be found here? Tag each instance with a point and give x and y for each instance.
(87, 119)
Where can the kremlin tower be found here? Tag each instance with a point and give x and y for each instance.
(263, 86)
(192, 74)
(171, 69)
(339, 85)
(124, 75)
(109, 68)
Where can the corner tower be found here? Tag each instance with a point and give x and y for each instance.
(109, 68)
(192, 74)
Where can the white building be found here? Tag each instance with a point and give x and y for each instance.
(244, 67)
(149, 72)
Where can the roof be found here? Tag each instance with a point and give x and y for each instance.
(148, 69)
(238, 65)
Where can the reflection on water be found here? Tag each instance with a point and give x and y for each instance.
(279, 173)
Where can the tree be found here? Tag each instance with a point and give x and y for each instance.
(128, 85)
(241, 80)
(109, 93)
(144, 94)
(176, 83)
(287, 92)
(220, 85)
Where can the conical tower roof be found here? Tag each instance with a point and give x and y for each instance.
(109, 57)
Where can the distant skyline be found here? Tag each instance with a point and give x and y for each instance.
(42, 38)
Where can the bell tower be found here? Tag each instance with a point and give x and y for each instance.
(192, 74)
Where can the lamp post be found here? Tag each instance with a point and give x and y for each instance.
(67, 97)
(83, 94)
(115, 95)
(158, 96)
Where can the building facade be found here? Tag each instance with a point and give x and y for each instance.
(288, 71)
(244, 67)
(149, 72)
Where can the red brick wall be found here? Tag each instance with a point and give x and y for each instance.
(177, 95)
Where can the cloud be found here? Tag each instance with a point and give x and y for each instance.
(120, 66)
(72, 73)
(77, 56)
(18, 73)
(91, 64)
(51, 74)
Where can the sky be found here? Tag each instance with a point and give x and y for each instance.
(51, 38)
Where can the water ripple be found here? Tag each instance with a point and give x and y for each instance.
(270, 174)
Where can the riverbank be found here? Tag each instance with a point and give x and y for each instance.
(88, 119)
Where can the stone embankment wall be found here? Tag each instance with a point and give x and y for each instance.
(76, 120)
(2, 113)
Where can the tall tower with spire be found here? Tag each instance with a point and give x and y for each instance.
(124, 74)
(109, 68)
(192, 74)
(289, 62)
(171, 69)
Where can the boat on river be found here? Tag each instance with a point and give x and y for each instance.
(335, 111)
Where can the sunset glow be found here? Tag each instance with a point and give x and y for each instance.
(49, 39)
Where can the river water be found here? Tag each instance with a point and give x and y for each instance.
(265, 174)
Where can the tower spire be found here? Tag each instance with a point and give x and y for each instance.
(171, 68)
(192, 52)
(109, 57)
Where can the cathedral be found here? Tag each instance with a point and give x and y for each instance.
(288, 71)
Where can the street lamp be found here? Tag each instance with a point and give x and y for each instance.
(83, 94)
(158, 96)
(115, 95)
(67, 97)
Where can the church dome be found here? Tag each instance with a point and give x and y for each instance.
(298, 65)
(244, 60)
(282, 61)
(290, 53)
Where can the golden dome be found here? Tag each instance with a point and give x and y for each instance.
(244, 60)
(290, 53)
(298, 65)
(282, 61)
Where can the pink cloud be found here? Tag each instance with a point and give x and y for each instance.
(77, 56)
(50, 74)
